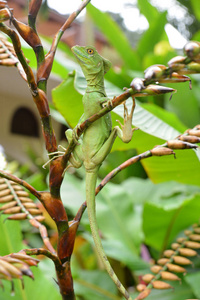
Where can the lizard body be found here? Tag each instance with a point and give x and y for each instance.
(97, 139)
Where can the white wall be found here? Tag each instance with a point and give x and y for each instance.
(14, 93)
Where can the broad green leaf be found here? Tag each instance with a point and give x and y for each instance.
(148, 10)
(196, 36)
(166, 116)
(185, 168)
(116, 218)
(57, 115)
(72, 192)
(117, 250)
(119, 220)
(185, 105)
(152, 36)
(10, 240)
(68, 101)
(196, 8)
(168, 194)
(43, 287)
(120, 252)
(115, 37)
(193, 281)
(161, 224)
(95, 285)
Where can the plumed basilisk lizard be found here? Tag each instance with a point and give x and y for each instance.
(97, 139)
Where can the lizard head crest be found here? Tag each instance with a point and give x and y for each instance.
(90, 60)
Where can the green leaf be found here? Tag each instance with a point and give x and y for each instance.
(115, 36)
(148, 10)
(72, 188)
(95, 285)
(68, 101)
(196, 8)
(185, 105)
(10, 240)
(56, 115)
(164, 115)
(185, 168)
(43, 287)
(119, 220)
(161, 223)
(193, 281)
(152, 36)
(120, 252)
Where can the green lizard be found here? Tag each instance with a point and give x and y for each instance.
(97, 139)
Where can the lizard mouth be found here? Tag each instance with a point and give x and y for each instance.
(80, 55)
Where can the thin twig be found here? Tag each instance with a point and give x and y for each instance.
(66, 25)
(45, 66)
(41, 251)
(121, 167)
(151, 90)
(43, 233)
(112, 174)
(21, 182)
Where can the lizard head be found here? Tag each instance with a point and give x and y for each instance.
(90, 60)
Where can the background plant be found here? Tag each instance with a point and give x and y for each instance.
(186, 172)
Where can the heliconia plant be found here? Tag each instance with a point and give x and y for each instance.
(14, 198)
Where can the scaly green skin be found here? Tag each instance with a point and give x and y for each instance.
(97, 140)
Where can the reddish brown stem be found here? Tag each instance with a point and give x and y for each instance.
(65, 281)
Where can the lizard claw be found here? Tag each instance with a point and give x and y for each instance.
(120, 123)
(75, 136)
(108, 104)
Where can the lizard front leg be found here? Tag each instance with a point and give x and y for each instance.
(125, 133)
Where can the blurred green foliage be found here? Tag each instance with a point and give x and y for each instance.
(137, 211)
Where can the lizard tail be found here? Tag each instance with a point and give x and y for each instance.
(91, 179)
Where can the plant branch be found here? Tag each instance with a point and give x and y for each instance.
(184, 141)
(17, 46)
(66, 25)
(41, 251)
(43, 233)
(149, 90)
(46, 66)
(33, 221)
(160, 151)
(21, 182)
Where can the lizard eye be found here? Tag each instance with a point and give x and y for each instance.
(90, 51)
